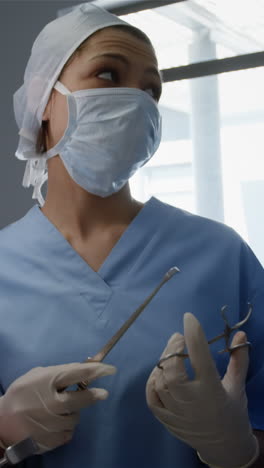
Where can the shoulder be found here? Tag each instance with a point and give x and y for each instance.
(16, 240)
(196, 224)
(211, 238)
(16, 229)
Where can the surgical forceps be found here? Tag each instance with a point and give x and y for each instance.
(226, 335)
(112, 342)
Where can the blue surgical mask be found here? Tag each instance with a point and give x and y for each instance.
(111, 133)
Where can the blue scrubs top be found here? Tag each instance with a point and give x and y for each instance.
(55, 309)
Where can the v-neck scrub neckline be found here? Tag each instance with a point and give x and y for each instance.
(118, 262)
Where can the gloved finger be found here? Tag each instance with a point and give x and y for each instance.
(172, 401)
(74, 401)
(155, 404)
(71, 420)
(54, 422)
(152, 397)
(165, 416)
(174, 370)
(171, 384)
(74, 373)
(51, 440)
(177, 395)
(56, 441)
(236, 372)
(42, 449)
(198, 350)
(173, 339)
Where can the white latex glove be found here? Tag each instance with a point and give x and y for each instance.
(207, 413)
(33, 405)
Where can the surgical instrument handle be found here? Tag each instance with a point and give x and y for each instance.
(111, 343)
(18, 452)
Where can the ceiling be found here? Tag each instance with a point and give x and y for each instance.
(236, 26)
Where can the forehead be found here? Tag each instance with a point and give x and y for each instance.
(111, 38)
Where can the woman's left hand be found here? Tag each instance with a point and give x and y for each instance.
(207, 413)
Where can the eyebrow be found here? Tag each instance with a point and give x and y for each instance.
(123, 59)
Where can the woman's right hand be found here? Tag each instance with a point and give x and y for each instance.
(34, 405)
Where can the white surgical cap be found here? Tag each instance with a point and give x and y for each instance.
(51, 50)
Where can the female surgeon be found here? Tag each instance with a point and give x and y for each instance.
(76, 266)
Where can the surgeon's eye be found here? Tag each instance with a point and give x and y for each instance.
(113, 76)
(110, 75)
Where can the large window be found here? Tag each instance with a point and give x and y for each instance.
(210, 161)
(169, 175)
